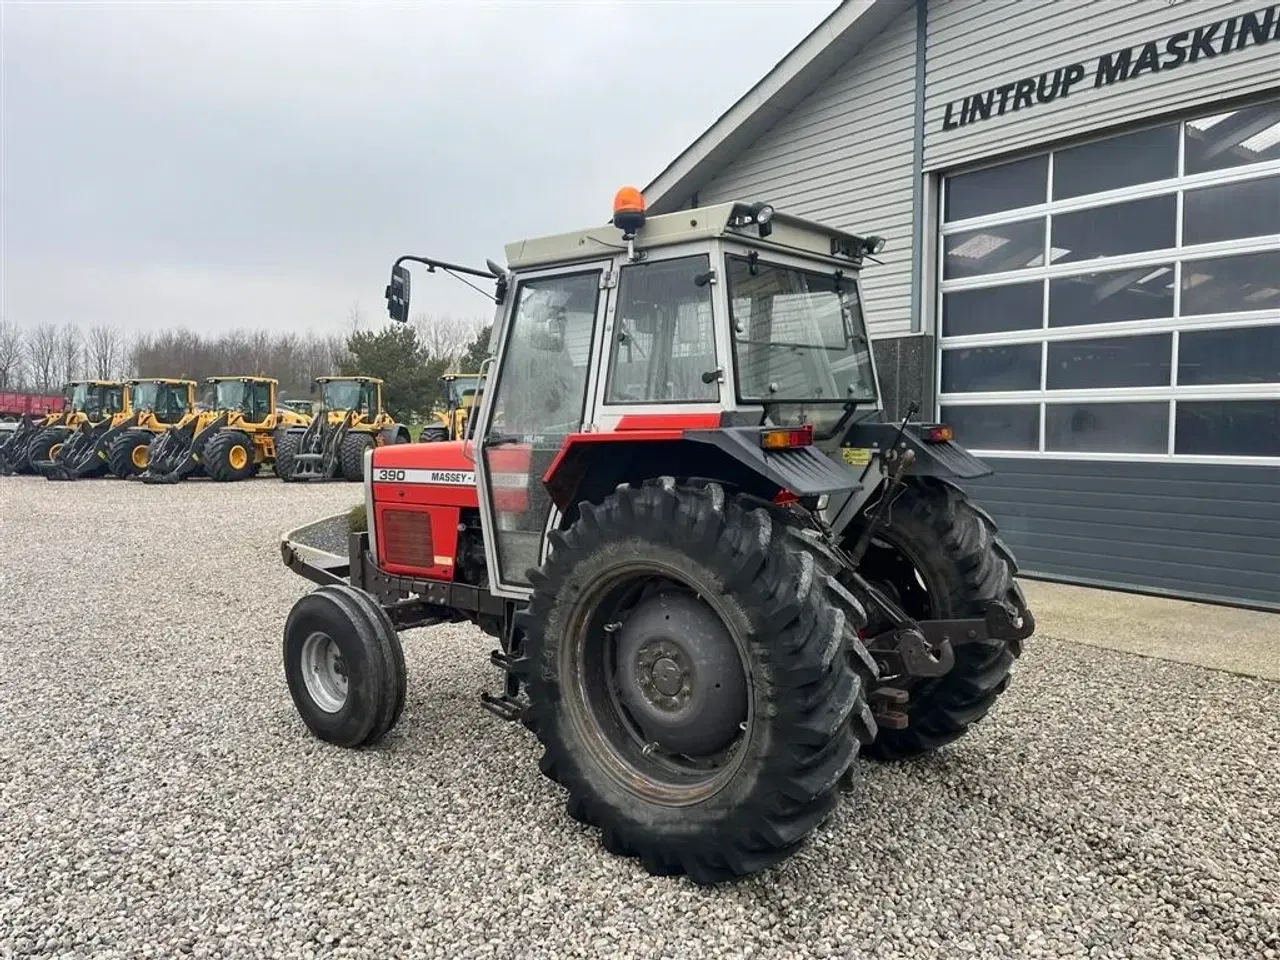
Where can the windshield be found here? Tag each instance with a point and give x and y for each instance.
(96, 400)
(799, 335)
(455, 389)
(167, 401)
(349, 395)
(228, 395)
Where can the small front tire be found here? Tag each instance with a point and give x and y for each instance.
(344, 666)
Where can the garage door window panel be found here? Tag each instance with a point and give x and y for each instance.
(1014, 306)
(1232, 211)
(1001, 249)
(1238, 284)
(1110, 362)
(985, 369)
(1008, 186)
(1231, 428)
(1115, 163)
(1002, 426)
(1240, 355)
(1106, 427)
(1239, 138)
(1114, 296)
(1115, 230)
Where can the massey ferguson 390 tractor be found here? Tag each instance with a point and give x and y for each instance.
(716, 573)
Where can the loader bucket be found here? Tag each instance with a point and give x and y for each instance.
(176, 454)
(13, 452)
(85, 454)
(317, 456)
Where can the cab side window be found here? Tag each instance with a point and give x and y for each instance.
(663, 348)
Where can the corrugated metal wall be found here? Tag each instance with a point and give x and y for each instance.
(844, 156)
(976, 45)
(1192, 530)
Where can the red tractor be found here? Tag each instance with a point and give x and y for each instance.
(715, 572)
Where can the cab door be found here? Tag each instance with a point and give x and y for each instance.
(537, 396)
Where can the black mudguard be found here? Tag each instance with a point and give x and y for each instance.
(805, 471)
(932, 459)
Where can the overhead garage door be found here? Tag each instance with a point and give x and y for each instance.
(1110, 343)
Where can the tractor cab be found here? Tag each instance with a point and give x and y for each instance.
(462, 395)
(253, 399)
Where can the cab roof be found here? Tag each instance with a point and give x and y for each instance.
(241, 379)
(348, 379)
(169, 380)
(729, 221)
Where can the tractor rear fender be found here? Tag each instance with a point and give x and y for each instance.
(590, 465)
(944, 459)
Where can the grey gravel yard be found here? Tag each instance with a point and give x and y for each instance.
(160, 797)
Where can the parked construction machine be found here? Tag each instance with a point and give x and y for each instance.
(161, 403)
(350, 419)
(231, 439)
(715, 569)
(461, 394)
(90, 408)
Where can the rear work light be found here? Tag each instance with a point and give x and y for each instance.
(787, 438)
(938, 433)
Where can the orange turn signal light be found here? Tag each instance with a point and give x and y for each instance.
(787, 438)
(939, 434)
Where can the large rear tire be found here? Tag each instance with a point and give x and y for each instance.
(351, 455)
(940, 557)
(674, 622)
(129, 453)
(229, 456)
(344, 666)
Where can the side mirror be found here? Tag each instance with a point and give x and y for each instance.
(398, 294)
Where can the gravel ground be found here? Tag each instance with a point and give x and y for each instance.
(159, 796)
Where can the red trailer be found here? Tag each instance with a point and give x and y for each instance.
(14, 404)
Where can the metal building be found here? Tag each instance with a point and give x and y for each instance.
(1082, 201)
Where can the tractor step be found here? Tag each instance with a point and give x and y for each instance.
(884, 703)
(503, 707)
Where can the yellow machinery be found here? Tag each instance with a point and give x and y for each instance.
(160, 403)
(40, 438)
(350, 420)
(232, 438)
(462, 394)
(73, 446)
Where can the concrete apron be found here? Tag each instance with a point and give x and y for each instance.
(1221, 638)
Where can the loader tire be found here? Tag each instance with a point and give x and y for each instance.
(229, 456)
(129, 453)
(433, 435)
(351, 455)
(42, 447)
(936, 533)
(773, 698)
(344, 666)
(287, 444)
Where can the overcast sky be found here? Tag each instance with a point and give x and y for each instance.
(262, 163)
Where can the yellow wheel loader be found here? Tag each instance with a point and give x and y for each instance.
(462, 395)
(40, 438)
(161, 403)
(231, 439)
(77, 447)
(350, 420)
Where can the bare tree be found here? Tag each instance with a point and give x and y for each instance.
(104, 352)
(355, 318)
(70, 352)
(11, 358)
(446, 337)
(42, 356)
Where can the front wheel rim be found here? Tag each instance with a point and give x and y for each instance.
(324, 672)
(618, 707)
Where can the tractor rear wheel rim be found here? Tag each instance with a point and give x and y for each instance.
(656, 685)
(324, 672)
